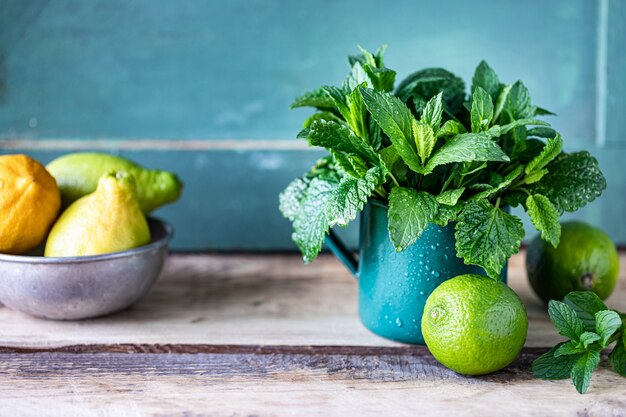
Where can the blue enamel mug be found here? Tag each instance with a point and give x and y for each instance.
(394, 286)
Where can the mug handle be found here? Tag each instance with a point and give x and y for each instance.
(345, 255)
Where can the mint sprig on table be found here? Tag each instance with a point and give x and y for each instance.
(590, 327)
(436, 154)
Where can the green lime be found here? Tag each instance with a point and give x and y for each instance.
(474, 325)
(77, 174)
(585, 259)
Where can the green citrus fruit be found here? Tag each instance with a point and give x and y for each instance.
(77, 175)
(474, 325)
(585, 259)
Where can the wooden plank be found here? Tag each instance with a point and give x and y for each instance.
(110, 69)
(249, 300)
(403, 381)
(243, 335)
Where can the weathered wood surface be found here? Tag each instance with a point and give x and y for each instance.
(293, 381)
(250, 300)
(241, 335)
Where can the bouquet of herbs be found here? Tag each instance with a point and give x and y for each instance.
(435, 155)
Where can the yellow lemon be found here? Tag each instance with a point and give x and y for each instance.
(107, 220)
(29, 203)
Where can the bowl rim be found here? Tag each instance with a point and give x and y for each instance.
(163, 241)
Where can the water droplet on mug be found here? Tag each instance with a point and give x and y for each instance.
(445, 257)
(398, 322)
(422, 293)
(433, 247)
(436, 274)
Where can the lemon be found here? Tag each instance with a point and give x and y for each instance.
(77, 175)
(585, 259)
(29, 203)
(474, 325)
(107, 220)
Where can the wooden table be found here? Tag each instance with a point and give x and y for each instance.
(264, 335)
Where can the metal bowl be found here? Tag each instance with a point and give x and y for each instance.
(81, 287)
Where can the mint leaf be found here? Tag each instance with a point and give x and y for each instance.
(395, 119)
(316, 98)
(352, 165)
(542, 132)
(366, 57)
(451, 128)
(424, 138)
(450, 197)
(375, 134)
(572, 181)
(617, 358)
(487, 79)
(324, 115)
(446, 214)
(569, 348)
(349, 197)
(468, 147)
(339, 100)
(501, 102)
(586, 304)
(291, 198)
(550, 151)
(382, 78)
(357, 77)
(548, 366)
(351, 108)
(499, 186)
(517, 104)
(432, 112)
(482, 110)
(539, 111)
(534, 176)
(607, 323)
(410, 213)
(358, 114)
(565, 320)
(487, 236)
(583, 368)
(588, 338)
(337, 137)
(429, 82)
(545, 217)
(499, 130)
(311, 224)
(394, 163)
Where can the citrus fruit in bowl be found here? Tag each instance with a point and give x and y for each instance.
(584, 260)
(29, 203)
(474, 325)
(101, 254)
(80, 287)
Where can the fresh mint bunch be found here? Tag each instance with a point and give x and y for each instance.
(590, 327)
(435, 155)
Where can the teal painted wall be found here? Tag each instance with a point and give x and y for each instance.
(212, 82)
